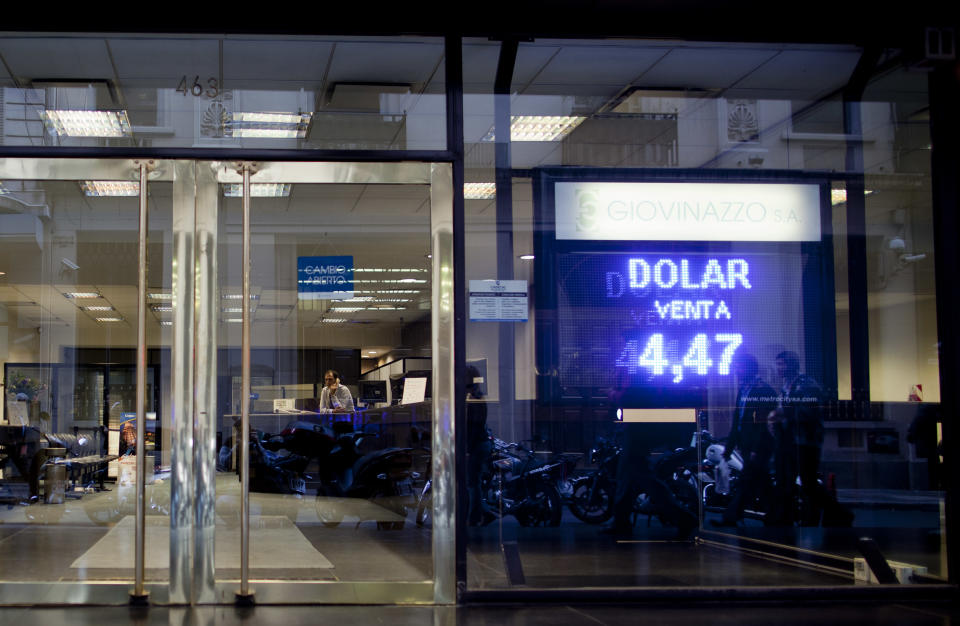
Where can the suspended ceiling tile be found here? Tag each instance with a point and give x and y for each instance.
(57, 57)
(166, 59)
(598, 65)
(383, 62)
(813, 71)
(703, 68)
(300, 61)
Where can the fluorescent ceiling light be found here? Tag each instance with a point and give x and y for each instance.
(97, 308)
(81, 294)
(109, 319)
(270, 125)
(111, 188)
(70, 264)
(387, 308)
(239, 296)
(258, 190)
(526, 257)
(333, 320)
(347, 309)
(480, 191)
(360, 299)
(87, 123)
(162, 308)
(539, 127)
(234, 320)
(160, 296)
(166, 323)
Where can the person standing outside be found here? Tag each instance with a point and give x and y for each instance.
(749, 432)
(803, 425)
(335, 397)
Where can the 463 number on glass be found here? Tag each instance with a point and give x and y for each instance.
(700, 358)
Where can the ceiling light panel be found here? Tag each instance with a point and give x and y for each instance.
(81, 294)
(109, 319)
(479, 191)
(270, 125)
(87, 123)
(97, 308)
(539, 127)
(110, 188)
(258, 190)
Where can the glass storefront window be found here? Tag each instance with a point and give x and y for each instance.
(768, 382)
(227, 92)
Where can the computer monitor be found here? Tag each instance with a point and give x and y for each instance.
(372, 391)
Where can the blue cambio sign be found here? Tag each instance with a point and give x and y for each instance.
(324, 277)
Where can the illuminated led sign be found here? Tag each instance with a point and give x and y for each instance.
(687, 211)
(676, 320)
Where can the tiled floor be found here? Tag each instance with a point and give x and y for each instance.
(499, 615)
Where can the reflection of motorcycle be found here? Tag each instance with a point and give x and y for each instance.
(717, 477)
(523, 486)
(384, 477)
(593, 494)
(592, 499)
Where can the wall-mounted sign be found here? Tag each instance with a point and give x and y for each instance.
(324, 277)
(498, 301)
(687, 211)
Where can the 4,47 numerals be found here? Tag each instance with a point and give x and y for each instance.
(697, 358)
(211, 90)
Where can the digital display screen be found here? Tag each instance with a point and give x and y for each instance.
(674, 318)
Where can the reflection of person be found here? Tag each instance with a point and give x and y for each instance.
(798, 430)
(335, 398)
(923, 435)
(479, 448)
(749, 432)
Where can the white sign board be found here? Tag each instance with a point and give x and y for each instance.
(284, 405)
(687, 211)
(498, 301)
(414, 390)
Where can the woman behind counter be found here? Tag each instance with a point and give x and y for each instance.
(335, 398)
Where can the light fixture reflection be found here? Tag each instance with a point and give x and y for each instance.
(87, 123)
(539, 127)
(258, 190)
(269, 125)
(110, 188)
(479, 191)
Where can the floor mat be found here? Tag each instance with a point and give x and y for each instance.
(274, 542)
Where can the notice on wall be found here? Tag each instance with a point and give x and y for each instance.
(414, 390)
(324, 277)
(498, 301)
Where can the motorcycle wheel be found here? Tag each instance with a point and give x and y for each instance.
(546, 508)
(591, 508)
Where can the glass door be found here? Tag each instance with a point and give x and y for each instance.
(137, 270)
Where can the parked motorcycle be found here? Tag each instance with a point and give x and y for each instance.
(523, 486)
(592, 497)
(516, 483)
